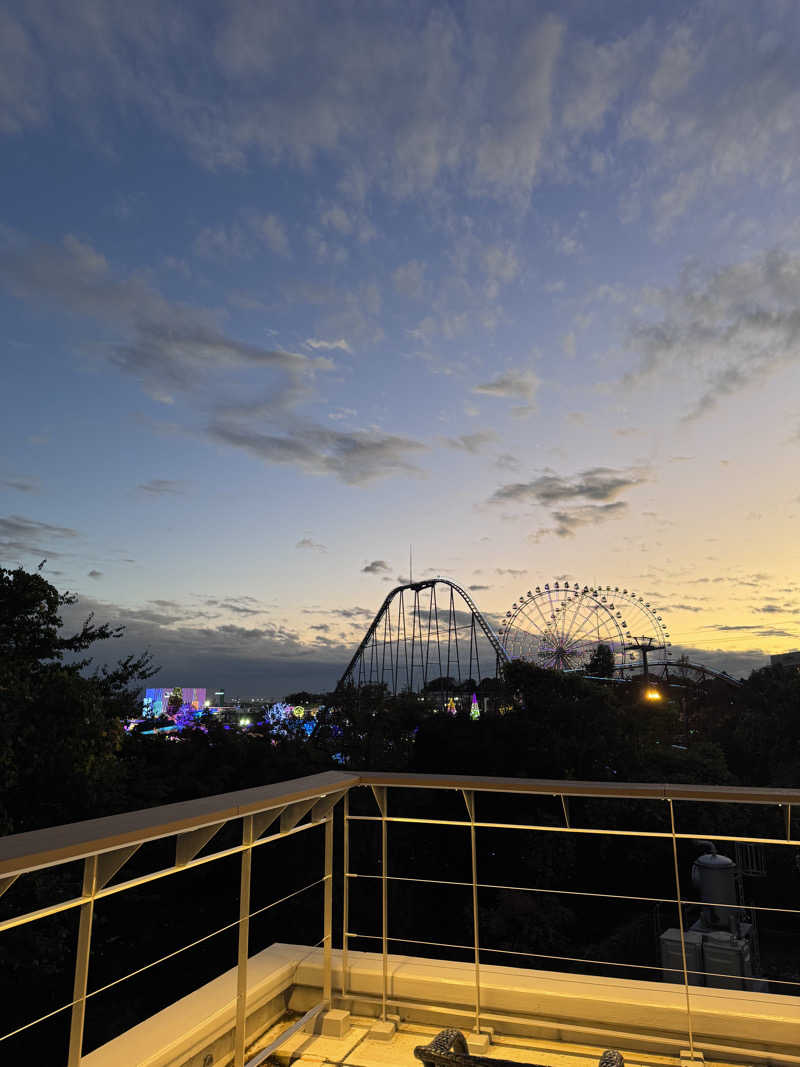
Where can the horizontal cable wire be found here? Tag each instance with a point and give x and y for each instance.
(200, 940)
(169, 956)
(664, 834)
(144, 879)
(578, 893)
(572, 959)
(41, 1019)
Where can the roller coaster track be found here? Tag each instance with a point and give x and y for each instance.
(435, 647)
(677, 672)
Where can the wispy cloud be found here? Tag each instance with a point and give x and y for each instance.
(21, 485)
(315, 342)
(308, 544)
(165, 345)
(471, 442)
(729, 328)
(30, 537)
(516, 384)
(354, 457)
(590, 496)
(597, 483)
(159, 486)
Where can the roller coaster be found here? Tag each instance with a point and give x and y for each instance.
(426, 631)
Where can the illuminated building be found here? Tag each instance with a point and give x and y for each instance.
(156, 701)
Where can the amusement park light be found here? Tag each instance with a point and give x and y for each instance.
(652, 695)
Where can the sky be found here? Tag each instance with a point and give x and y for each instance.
(286, 288)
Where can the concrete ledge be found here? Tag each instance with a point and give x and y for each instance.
(201, 1024)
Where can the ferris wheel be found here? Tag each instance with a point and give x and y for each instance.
(559, 626)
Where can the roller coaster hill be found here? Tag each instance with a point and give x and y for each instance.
(430, 638)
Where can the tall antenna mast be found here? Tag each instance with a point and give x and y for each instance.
(410, 568)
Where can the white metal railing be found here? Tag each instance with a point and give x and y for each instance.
(290, 808)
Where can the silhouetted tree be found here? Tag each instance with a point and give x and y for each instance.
(60, 728)
(601, 663)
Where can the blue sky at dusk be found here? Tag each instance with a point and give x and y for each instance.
(285, 287)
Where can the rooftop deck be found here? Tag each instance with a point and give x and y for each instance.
(374, 1006)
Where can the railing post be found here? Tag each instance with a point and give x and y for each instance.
(327, 909)
(380, 797)
(244, 942)
(82, 962)
(680, 924)
(346, 887)
(469, 798)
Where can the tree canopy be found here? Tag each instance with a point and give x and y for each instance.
(60, 724)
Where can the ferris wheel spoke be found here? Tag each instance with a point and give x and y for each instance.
(577, 603)
(583, 617)
(535, 602)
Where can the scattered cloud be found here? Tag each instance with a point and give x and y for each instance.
(354, 457)
(490, 104)
(30, 537)
(22, 485)
(165, 345)
(471, 442)
(597, 483)
(272, 232)
(516, 384)
(567, 522)
(590, 496)
(314, 546)
(268, 656)
(726, 330)
(506, 462)
(95, 574)
(511, 573)
(159, 486)
(378, 566)
(409, 279)
(315, 342)
(478, 588)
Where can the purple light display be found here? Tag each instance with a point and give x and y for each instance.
(156, 700)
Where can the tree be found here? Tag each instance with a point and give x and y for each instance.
(60, 727)
(175, 700)
(601, 663)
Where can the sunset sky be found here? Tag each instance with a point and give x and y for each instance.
(286, 287)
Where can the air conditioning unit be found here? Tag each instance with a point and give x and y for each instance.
(672, 957)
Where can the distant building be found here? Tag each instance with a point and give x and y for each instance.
(219, 698)
(156, 700)
(785, 659)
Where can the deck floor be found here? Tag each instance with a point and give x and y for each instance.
(358, 1049)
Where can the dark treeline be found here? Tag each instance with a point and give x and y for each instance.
(64, 756)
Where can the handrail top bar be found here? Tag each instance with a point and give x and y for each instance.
(54, 845)
(30, 851)
(574, 788)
